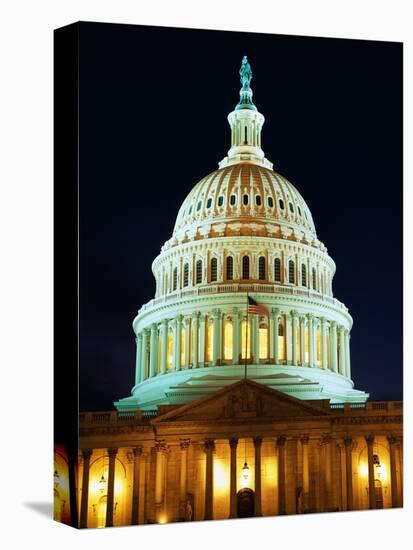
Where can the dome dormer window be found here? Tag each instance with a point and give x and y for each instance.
(209, 203)
(230, 268)
(214, 270)
(299, 210)
(258, 200)
(186, 275)
(220, 200)
(290, 204)
(291, 272)
(245, 200)
(198, 207)
(245, 267)
(233, 200)
(270, 202)
(281, 203)
(261, 268)
(199, 272)
(277, 270)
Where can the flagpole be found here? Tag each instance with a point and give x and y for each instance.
(246, 344)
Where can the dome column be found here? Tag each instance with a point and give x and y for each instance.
(235, 337)
(195, 327)
(255, 355)
(276, 320)
(324, 343)
(187, 324)
(342, 353)
(177, 343)
(202, 320)
(288, 339)
(302, 340)
(153, 348)
(217, 336)
(164, 336)
(347, 347)
(311, 339)
(138, 371)
(333, 345)
(294, 337)
(144, 354)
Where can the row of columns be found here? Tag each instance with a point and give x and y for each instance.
(334, 353)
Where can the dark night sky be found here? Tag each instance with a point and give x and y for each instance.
(153, 108)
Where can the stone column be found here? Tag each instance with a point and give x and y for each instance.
(235, 337)
(144, 354)
(311, 340)
(202, 320)
(288, 339)
(393, 473)
(294, 337)
(137, 452)
(348, 444)
(195, 325)
(342, 352)
(84, 505)
(111, 487)
(306, 473)
(372, 493)
(153, 348)
(257, 475)
(164, 358)
(215, 351)
(209, 479)
(177, 343)
(281, 474)
(255, 356)
(138, 370)
(160, 448)
(187, 323)
(328, 501)
(324, 343)
(399, 455)
(347, 344)
(233, 443)
(302, 339)
(183, 480)
(220, 338)
(276, 313)
(333, 346)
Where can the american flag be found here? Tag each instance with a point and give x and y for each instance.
(255, 308)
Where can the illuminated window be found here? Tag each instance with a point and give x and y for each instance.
(291, 271)
(303, 275)
(281, 203)
(186, 274)
(169, 353)
(220, 200)
(270, 202)
(261, 268)
(314, 279)
(244, 339)
(245, 199)
(214, 269)
(199, 272)
(277, 269)
(258, 200)
(175, 278)
(233, 200)
(228, 340)
(245, 267)
(281, 343)
(230, 268)
(209, 344)
(263, 341)
(209, 202)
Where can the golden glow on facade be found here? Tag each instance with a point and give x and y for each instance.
(263, 342)
(318, 347)
(244, 339)
(228, 332)
(209, 349)
(170, 352)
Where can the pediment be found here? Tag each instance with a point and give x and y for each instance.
(244, 400)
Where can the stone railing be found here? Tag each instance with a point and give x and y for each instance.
(115, 417)
(243, 287)
(369, 406)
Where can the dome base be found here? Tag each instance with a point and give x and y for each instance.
(188, 385)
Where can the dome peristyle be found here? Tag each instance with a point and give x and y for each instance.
(243, 232)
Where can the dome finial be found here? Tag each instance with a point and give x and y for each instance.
(245, 93)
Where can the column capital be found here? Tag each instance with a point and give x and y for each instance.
(233, 442)
(235, 311)
(304, 439)
(310, 316)
(139, 337)
(294, 314)
(392, 439)
(179, 318)
(216, 312)
(281, 440)
(333, 324)
(275, 311)
(347, 440)
(161, 446)
(137, 451)
(209, 444)
(257, 441)
(112, 452)
(154, 327)
(165, 322)
(87, 453)
(184, 444)
(326, 439)
(196, 315)
(369, 439)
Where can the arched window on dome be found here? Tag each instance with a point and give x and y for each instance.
(175, 278)
(258, 200)
(245, 267)
(299, 210)
(314, 279)
(290, 204)
(281, 204)
(261, 268)
(270, 202)
(245, 200)
(209, 203)
(198, 208)
(186, 274)
(303, 275)
(214, 269)
(233, 200)
(230, 268)
(198, 271)
(291, 271)
(220, 200)
(277, 270)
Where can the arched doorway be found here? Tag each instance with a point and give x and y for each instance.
(245, 503)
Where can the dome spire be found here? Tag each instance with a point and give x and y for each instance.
(246, 124)
(245, 94)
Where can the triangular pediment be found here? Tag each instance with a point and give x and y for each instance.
(242, 401)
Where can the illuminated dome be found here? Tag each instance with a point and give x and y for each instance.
(243, 230)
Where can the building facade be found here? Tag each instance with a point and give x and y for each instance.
(236, 415)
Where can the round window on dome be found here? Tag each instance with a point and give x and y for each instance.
(198, 208)
(281, 203)
(233, 200)
(245, 200)
(209, 202)
(270, 202)
(258, 200)
(220, 200)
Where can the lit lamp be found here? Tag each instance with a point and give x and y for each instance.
(246, 471)
(379, 470)
(102, 484)
(56, 479)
